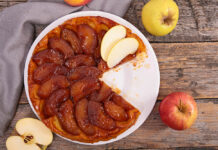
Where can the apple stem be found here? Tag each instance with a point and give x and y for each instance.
(44, 147)
(180, 104)
(180, 107)
(167, 20)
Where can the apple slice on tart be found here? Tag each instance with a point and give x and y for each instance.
(99, 45)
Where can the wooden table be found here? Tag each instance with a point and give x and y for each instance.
(188, 60)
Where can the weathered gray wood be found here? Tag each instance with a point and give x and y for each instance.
(11, 3)
(198, 20)
(152, 134)
(188, 67)
(23, 98)
(3, 5)
(14, 0)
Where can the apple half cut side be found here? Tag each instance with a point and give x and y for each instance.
(122, 49)
(112, 36)
(17, 142)
(32, 132)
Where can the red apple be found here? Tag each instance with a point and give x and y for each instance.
(178, 110)
(77, 2)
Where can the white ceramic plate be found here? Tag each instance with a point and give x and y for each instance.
(138, 85)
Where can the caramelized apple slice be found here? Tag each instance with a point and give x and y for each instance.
(88, 38)
(48, 56)
(97, 53)
(98, 117)
(114, 111)
(66, 118)
(44, 72)
(83, 71)
(62, 46)
(61, 70)
(103, 66)
(121, 102)
(80, 60)
(132, 117)
(84, 87)
(103, 94)
(53, 102)
(81, 114)
(56, 82)
(72, 38)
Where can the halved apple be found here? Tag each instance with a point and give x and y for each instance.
(122, 49)
(32, 132)
(112, 36)
(17, 142)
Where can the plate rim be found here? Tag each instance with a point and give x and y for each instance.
(110, 16)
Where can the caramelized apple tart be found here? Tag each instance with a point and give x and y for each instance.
(64, 85)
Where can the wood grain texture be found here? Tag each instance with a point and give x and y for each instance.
(184, 66)
(187, 67)
(198, 20)
(3, 5)
(152, 134)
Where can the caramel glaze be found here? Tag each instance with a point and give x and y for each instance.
(94, 94)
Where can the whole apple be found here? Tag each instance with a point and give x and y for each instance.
(178, 110)
(77, 2)
(160, 16)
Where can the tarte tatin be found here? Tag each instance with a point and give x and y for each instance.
(64, 85)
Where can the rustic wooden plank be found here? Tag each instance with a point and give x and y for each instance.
(23, 98)
(197, 21)
(3, 5)
(11, 3)
(188, 67)
(17, 0)
(13, 0)
(7, 3)
(152, 134)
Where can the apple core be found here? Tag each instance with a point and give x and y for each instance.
(28, 139)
